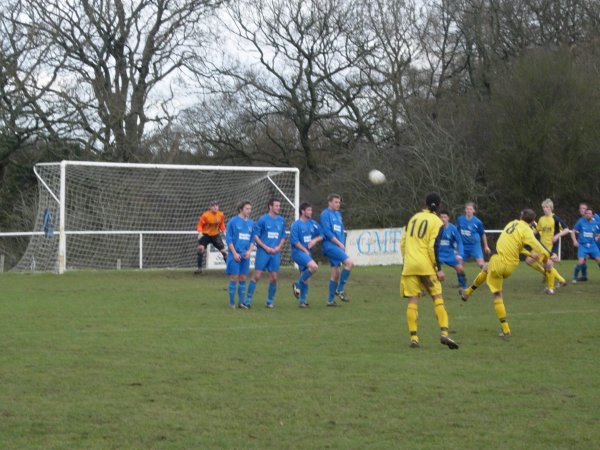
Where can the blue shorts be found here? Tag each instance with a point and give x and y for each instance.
(237, 268)
(472, 251)
(302, 259)
(334, 253)
(265, 261)
(591, 251)
(449, 260)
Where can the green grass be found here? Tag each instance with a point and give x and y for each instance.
(156, 360)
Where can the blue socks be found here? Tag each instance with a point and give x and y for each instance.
(332, 288)
(305, 275)
(303, 293)
(578, 268)
(231, 289)
(462, 280)
(242, 291)
(271, 295)
(343, 278)
(251, 288)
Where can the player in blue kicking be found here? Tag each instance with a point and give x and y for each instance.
(304, 235)
(473, 236)
(269, 235)
(334, 248)
(583, 207)
(240, 242)
(586, 231)
(451, 249)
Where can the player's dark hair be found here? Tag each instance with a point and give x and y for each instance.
(444, 211)
(303, 206)
(272, 200)
(242, 204)
(528, 215)
(332, 196)
(433, 201)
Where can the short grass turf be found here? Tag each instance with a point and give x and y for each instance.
(157, 360)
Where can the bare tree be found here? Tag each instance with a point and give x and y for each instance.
(107, 59)
(465, 40)
(297, 61)
(24, 82)
(391, 28)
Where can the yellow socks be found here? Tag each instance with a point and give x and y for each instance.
(550, 274)
(537, 266)
(412, 315)
(557, 276)
(441, 314)
(551, 277)
(480, 279)
(501, 313)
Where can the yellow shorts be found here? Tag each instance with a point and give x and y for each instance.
(497, 272)
(411, 285)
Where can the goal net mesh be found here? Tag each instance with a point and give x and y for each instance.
(108, 207)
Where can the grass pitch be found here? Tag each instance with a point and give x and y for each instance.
(144, 360)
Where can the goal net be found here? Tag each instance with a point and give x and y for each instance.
(112, 215)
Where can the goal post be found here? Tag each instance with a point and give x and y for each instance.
(97, 215)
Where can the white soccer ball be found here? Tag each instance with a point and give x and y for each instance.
(376, 177)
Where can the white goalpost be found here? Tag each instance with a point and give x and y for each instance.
(94, 215)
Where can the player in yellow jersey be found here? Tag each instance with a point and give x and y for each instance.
(551, 229)
(422, 270)
(516, 236)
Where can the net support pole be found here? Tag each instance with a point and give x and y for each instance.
(559, 248)
(297, 194)
(62, 238)
(141, 251)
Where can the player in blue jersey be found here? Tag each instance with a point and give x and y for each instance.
(583, 207)
(451, 249)
(240, 242)
(269, 236)
(334, 248)
(304, 235)
(473, 236)
(586, 230)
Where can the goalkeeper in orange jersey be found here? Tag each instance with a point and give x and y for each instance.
(516, 237)
(422, 269)
(210, 226)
